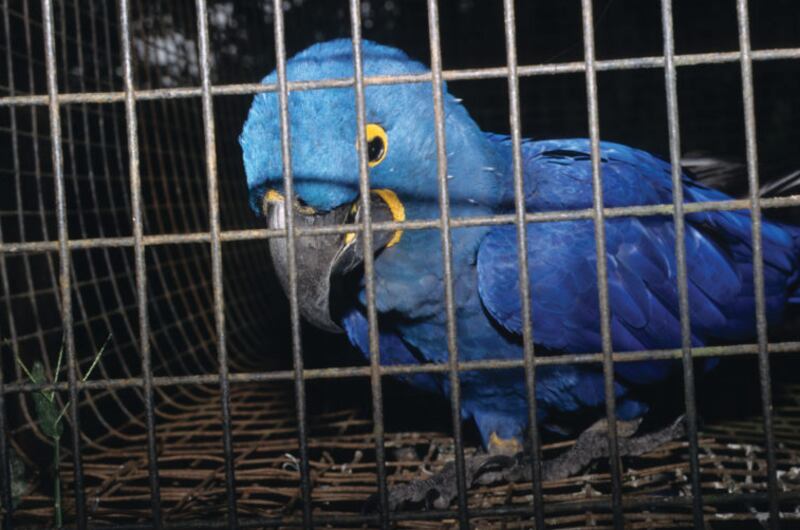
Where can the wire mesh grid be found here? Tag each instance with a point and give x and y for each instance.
(121, 227)
(343, 471)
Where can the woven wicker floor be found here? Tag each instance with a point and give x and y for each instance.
(343, 468)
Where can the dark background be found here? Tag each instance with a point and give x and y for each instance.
(632, 103)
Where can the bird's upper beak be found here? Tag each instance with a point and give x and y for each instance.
(322, 259)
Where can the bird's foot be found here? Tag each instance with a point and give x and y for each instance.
(593, 444)
(439, 490)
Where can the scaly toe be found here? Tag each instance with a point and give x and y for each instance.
(503, 446)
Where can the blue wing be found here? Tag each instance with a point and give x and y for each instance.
(392, 349)
(642, 282)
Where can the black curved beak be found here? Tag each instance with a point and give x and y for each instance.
(322, 259)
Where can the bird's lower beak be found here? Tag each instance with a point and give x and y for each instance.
(323, 259)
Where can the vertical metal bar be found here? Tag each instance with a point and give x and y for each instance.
(216, 257)
(43, 207)
(116, 146)
(369, 268)
(758, 259)
(80, 208)
(294, 312)
(64, 256)
(444, 227)
(602, 265)
(183, 121)
(5, 455)
(670, 78)
(522, 258)
(6, 492)
(139, 260)
(96, 198)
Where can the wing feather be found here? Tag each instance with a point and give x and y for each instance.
(642, 271)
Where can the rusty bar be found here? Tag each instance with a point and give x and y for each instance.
(455, 222)
(291, 239)
(447, 249)
(237, 89)
(369, 267)
(140, 265)
(65, 287)
(216, 258)
(602, 265)
(522, 260)
(758, 257)
(464, 366)
(670, 79)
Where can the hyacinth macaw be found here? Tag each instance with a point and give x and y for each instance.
(409, 283)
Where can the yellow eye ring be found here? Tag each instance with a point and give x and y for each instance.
(377, 144)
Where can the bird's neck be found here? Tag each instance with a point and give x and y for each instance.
(409, 274)
(477, 182)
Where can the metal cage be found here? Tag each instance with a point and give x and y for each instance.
(134, 223)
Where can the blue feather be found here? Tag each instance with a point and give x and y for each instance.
(409, 282)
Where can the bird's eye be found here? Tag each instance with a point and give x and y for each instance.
(377, 144)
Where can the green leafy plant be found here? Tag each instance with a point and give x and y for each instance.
(49, 416)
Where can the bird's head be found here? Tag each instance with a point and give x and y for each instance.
(325, 166)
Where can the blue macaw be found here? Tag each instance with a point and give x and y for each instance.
(409, 283)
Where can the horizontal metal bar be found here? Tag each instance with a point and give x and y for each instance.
(365, 371)
(501, 72)
(456, 222)
(525, 510)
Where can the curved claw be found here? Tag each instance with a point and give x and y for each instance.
(439, 490)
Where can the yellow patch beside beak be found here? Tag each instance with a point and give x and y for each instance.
(271, 197)
(397, 209)
(350, 236)
(398, 214)
(274, 196)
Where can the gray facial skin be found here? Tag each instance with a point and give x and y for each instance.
(321, 259)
